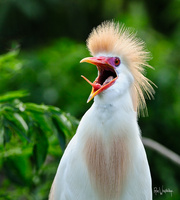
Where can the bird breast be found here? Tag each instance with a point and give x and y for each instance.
(107, 164)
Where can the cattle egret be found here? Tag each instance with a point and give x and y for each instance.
(106, 160)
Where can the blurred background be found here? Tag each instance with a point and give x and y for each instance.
(47, 39)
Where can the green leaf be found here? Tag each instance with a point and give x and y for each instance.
(60, 134)
(36, 108)
(15, 123)
(40, 148)
(7, 135)
(41, 121)
(21, 121)
(9, 62)
(8, 56)
(74, 123)
(1, 135)
(13, 95)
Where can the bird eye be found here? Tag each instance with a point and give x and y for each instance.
(117, 61)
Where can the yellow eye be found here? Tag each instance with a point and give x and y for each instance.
(117, 61)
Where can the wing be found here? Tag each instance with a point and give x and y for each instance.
(71, 181)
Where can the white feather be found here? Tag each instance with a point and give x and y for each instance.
(72, 180)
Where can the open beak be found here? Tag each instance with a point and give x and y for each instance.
(106, 75)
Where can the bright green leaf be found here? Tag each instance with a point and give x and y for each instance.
(13, 95)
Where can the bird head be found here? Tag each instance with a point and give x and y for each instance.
(113, 76)
(120, 58)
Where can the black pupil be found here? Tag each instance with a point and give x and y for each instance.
(116, 61)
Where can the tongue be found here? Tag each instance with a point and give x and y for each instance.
(97, 86)
(109, 79)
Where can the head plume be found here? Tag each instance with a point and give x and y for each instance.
(111, 38)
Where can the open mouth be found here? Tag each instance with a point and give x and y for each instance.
(106, 78)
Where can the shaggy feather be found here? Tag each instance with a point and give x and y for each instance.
(111, 38)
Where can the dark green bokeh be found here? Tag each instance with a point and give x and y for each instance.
(51, 37)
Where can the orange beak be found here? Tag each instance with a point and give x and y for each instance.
(106, 75)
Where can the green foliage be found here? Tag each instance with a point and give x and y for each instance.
(32, 137)
(9, 64)
(26, 131)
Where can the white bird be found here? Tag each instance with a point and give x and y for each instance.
(106, 160)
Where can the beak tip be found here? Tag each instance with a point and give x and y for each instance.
(83, 60)
(87, 60)
(89, 99)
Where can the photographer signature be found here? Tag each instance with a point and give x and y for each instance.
(161, 191)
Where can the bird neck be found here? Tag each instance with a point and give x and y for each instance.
(117, 114)
(123, 103)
